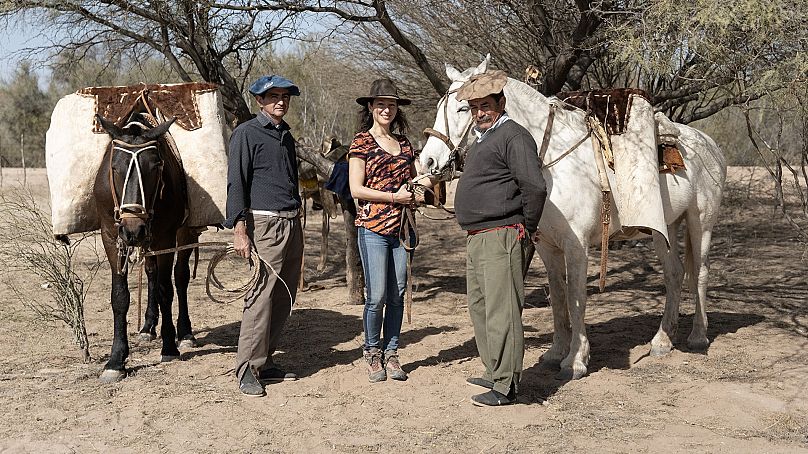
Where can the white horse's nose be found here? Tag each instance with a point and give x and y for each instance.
(430, 165)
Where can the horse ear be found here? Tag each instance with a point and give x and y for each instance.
(484, 65)
(109, 126)
(452, 73)
(158, 130)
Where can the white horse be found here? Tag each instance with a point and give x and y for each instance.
(571, 218)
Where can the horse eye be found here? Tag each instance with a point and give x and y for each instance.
(462, 109)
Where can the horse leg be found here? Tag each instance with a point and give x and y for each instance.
(115, 370)
(182, 276)
(699, 238)
(574, 365)
(555, 264)
(662, 343)
(148, 332)
(165, 295)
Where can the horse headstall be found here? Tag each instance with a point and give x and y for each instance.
(123, 210)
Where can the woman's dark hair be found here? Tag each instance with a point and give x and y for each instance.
(400, 122)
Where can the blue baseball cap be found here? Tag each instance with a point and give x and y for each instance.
(265, 83)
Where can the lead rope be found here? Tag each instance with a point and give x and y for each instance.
(210, 278)
(407, 223)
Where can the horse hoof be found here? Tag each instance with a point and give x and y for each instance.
(660, 350)
(147, 337)
(549, 362)
(698, 344)
(188, 342)
(568, 373)
(112, 376)
(168, 358)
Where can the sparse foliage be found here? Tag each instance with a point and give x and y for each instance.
(25, 113)
(28, 248)
(199, 40)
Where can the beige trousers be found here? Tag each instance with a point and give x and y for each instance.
(279, 243)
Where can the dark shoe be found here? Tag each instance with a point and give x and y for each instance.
(476, 381)
(274, 374)
(393, 366)
(249, 385)
(376, 372)
(494, 399)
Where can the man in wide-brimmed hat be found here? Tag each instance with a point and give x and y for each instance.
(263, 207)
(498, 201)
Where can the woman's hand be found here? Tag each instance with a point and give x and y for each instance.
(403, 196)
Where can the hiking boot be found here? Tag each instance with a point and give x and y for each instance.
(494, 398)
(249, 385)
(476, 381)
(375, 361)
(275, 374)
(393, 366)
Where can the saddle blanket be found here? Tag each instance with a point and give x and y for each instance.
(628, 117)
(75, 148)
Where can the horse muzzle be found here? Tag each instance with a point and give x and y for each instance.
(135, 232)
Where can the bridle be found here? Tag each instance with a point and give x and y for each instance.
(123, 208)
(132, 210)
(456, 152)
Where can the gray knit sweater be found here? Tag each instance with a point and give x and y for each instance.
(502, 182)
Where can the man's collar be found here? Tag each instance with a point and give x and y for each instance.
(266, 120)
(483, 134)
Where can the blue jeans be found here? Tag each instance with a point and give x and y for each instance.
(384, 261)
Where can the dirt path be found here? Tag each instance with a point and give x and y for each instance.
(747, 394)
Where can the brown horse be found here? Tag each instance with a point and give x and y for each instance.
(140, 199)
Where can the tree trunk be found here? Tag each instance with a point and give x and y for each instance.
(353, 264)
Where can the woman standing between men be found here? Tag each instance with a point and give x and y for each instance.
(381, 162)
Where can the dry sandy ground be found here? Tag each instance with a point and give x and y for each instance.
(746, 394)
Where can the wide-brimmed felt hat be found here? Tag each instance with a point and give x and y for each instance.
(265, 83)
(482, 85)
(383, 88)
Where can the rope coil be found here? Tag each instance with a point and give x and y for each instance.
(240, 291)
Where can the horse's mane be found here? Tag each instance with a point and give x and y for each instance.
(529, 93)
(571, 117)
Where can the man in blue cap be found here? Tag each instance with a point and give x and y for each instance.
(263, 208)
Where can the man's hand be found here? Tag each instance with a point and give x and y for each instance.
(535, 237)
(241, 242)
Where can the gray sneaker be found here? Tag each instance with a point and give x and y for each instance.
(393, 366)
(375, 361)
(249, 385)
